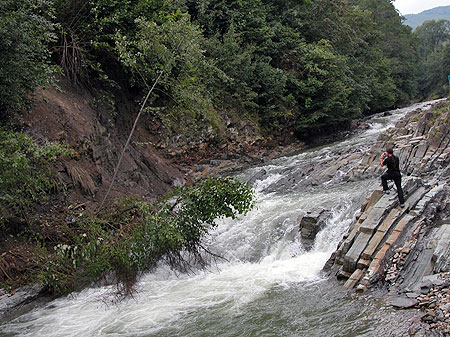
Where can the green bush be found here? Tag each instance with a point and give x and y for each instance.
(25, 171)
(137, 235)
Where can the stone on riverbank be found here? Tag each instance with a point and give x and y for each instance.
(404, 302)
(21, 300)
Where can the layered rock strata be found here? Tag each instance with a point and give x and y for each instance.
(404, 247)
(310, 224)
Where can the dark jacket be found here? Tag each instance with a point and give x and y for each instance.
(392, 163)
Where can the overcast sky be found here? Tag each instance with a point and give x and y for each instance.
(417, 6)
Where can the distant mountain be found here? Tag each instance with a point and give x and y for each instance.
(437, 13)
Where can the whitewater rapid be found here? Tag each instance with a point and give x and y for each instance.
(265, 285)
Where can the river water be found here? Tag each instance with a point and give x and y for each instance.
(267, 286)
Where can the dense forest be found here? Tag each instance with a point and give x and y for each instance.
(299, 67)
(303, 66)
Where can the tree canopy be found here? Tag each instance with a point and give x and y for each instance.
(26, 30)
(434, 63)
(302, 66)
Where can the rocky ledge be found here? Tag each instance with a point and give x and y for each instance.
(23, 299)
(405, 249)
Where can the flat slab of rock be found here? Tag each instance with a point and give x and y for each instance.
(22, 300)
(404, 302)
(412, 295)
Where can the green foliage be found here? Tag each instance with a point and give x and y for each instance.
(174, 49)
(137, 235)
(394, 41)
(296, 65)
(322, 89)
(128, 43)
(85, 47)
(434, 40)
(306, 65)
(25, 170)
(431, 36)
(26, 29)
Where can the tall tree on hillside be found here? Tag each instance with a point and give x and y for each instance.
(432, 35)
(433, 39)
(25, 30)
(396, 44)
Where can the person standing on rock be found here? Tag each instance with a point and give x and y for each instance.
(393, 173)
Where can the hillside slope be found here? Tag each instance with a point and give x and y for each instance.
(415, 20)
(70, 116)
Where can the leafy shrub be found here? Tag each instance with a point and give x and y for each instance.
(137, 235)
(25, 171)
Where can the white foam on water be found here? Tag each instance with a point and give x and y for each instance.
(260, 185)
(268, 233)
(263, 250)
(164, 298)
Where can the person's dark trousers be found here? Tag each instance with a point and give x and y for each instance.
(397, 178)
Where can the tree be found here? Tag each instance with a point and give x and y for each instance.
(387, 36)
(135, 236)
(433, 38)
(26, 30)
(172, 48)
(432, 35)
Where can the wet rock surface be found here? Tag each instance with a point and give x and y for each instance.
(310, 224)
(405, 249)
(13, 304)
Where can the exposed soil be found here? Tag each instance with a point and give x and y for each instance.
(71, 115)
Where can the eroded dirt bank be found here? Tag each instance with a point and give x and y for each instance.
(154, 163)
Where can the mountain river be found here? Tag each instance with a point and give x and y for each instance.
(267, 286)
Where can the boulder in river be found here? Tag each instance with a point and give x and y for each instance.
(310, 224)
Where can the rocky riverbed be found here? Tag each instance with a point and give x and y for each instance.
(405, 250)
(401, 251)
(397, 249)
